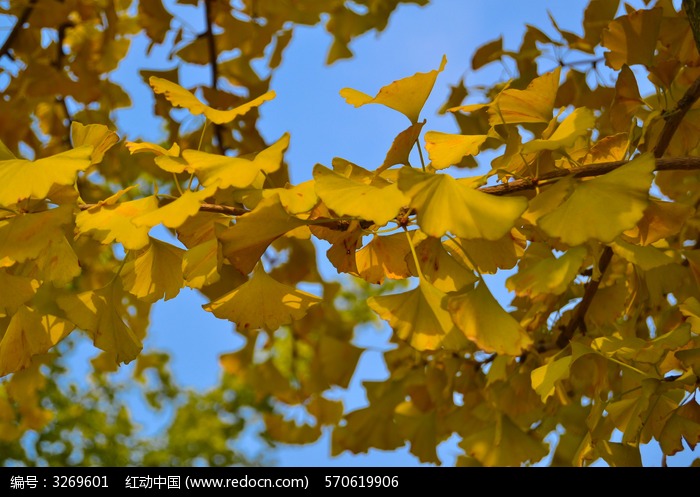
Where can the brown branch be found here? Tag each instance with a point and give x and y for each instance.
(23, 18)
(58, 64)
(215, 208)
(666, 164)
(211, 45)
(673, 120)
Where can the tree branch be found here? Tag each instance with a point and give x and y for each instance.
(673, 120)
(211, 45)
(215, 208)
(23, 17)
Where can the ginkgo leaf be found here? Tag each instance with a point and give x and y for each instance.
(98, 136)
(180, 97)
(238, 172)
(631, 39)
(174, 214)
(548, 276)
(288, 431)
(262, 302)
(15, 291)
(545, 377)
(22, 179)
(627, 100)
(155, 272)
(569, 130)
(416, 316)
(682, 426)
(502, 443)
(407, 95)
(113, 222)
(140, 147)
(660, 219)
(489, 255)
(58, 262)
(337, 360)
(246, 241)
(420, 428)
(439, 267)
(445, 149)
(383, 256)
(26, 236)
(201, 263)
(401, 147)
(483, 321)
(350, 198)
(97, 312)
(28, 334)
(534, 104)
(603, 207)
(445, 204)
(645, 257)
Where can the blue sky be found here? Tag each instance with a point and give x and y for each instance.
(323, 126)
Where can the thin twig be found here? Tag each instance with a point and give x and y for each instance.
(215, 208)
(211, 45)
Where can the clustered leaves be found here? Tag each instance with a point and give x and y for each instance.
(601, 336)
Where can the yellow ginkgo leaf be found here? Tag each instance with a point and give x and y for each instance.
(262, 302)
(445, 204)
(113, 222)
(383, 257)
(28, 334)
(683, 425)
(416, 316)
(603, 207)
(174, 214)
(180, 97)
(407, 95)
(350, 198)
(439, 267)
(98, 136)
(139, 147)
(97, 312)
(26, 236)
(660, 219)
(545, 377)
(245, 242)
(534, 104)
(489, 255)
(569, 130)
(549, 275)
(646, 258)
(483, 321)
(201, 263)
(235, 171)
(445, 149)
(401, 147)
(155, 272)
(15, 291)
(632, 38)
(22, 179)
(58, 262)
(420, 429)
(503, 443)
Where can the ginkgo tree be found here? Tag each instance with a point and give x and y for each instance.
(590, 197)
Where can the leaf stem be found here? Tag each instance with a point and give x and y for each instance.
(413, 252)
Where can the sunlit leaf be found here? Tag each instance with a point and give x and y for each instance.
(175, 213)
(568, 131)
(22, 179)
(445, 204)
(112, 222)
(631, 39)
(28, 334)
(549, 275)
(534, 104)
(446, 149)
(482, 320)
(262, 302)
(346, 197)
(545, 377)
(603, 207)
(155, 272)
(180, 97)
(98, 136)
(407, 95)
(238, 172)
(416, 316)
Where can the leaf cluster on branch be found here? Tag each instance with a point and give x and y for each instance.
(591, 199)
